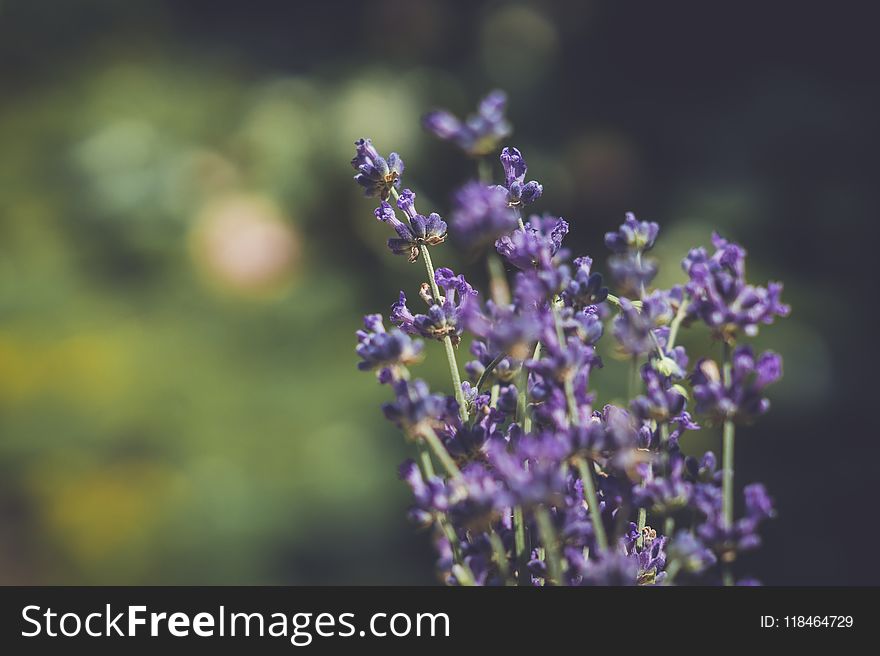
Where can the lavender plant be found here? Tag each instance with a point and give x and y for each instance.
(521, 478)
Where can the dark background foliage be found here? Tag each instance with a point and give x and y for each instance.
(175, 409)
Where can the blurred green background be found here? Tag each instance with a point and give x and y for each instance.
(184, 259)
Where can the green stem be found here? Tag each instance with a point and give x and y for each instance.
(484, 170)
(557, 322)
(727, 465)
(584, 468)
(447, 341)
(518, 215)
(643, 519)
(519, 525)
(519, 545)
(493, 396)
(551, 546)
(615, 300)
(676, 324)
(427, 464)
(464, 575)
(656, 343)
(500, 554)
(727, 481)
(429, 268)
(523, 403)
(582, 465)
(498, 287)
(574, 415)
(449, 532)
(460, 568)
(489, 369)
(727, 576)
(440, 451)
(427, 467)
(634, 378)
(573, 412)
(642, 292)
(727, 449)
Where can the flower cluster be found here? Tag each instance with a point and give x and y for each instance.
(519, 192)
(386, 351)
(521, 476)
(630, 269)
(722, 298)
(480, 215)
(443, 318)
(376, 175)
(477, 135)
(741, 396)
(419, 230)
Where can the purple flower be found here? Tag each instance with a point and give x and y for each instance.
(678, 425)
(536, 245)
(632, 272)
(470, 442)
(504, 371)
(532, 471)
(661, 401)
(585, 288)
(689, 554)
(481, 214)
(725, 540)
(376, 175)
(742, 397)
(483, 500)
(503, 328)
(673, 365)
(632, 235)
(532, 446)
(419, 231)
(705, 470)
(633, 327)
(518, 191)
(480, 133)
(385, 350)
(610, 568)
(444, 315)
(720, 296)
(413, 405)
(589, 325)
(560, 361)
(666, 495)
(651, 558)
(430, 496)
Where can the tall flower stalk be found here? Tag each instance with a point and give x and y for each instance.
(447, 340)
(537, 485)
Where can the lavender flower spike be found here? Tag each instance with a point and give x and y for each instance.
(481, 214)
(519, 192)
(384, 350)
(445, 314)
(628, 267)
(480, 133)
(541, 485)
(376, 174)
(632, 235)
(420, 230)
(742, 398)
(720, 295)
